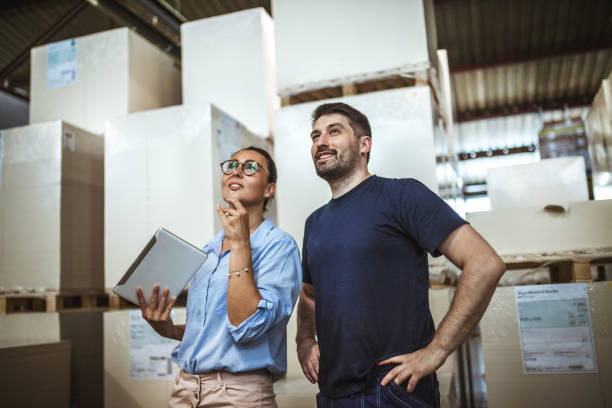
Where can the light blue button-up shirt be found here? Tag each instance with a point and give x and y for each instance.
(211, 342)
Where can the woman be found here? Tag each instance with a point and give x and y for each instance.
(234, 345)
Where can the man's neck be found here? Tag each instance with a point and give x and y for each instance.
(343, 185)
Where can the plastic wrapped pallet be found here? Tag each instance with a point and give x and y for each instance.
(558, 181)
(35, 375)
(90, 79)
(295, 391)
(138, 371)
(162, 170)
(402, 146)
(83, 329)
(534, 230)
(508, 385)
(228, 60)
(347, 38)
(51, 208)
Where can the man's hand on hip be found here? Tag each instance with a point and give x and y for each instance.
(413, 366)
(308, 354)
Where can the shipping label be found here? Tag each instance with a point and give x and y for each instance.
(150, 353)
(62, 63)
(555, 329)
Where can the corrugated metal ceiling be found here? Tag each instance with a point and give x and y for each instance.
(517, 56)
(506, 57)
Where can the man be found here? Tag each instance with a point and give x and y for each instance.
(365, 268)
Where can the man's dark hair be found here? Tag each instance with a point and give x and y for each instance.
(269, 164)
(357, 120)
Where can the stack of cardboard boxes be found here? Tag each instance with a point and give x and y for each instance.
(547, 344)
(52, 195)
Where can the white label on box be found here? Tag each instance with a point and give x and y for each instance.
(61, 63)
(228, 136)
(555, 328)
(150, 353)
(69, 141)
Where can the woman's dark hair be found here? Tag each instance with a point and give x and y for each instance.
(269, 164)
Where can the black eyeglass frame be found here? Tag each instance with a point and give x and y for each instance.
(242, 164)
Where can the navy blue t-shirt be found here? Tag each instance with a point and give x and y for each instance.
(366, 255)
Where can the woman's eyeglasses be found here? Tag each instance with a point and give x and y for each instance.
(249, 167)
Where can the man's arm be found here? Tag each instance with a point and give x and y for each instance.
(307, 347)
(481, 270)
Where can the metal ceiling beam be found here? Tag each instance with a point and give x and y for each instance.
(581, 49)
(169, 19)
(172, 10)
(127, 18)
(25, 54)
(504, 111)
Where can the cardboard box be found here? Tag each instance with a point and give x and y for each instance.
(347, 39)
(402, 146)
(83, 329)
(531, 230)
(228, 60)
(508, 386)
(51, 208)
(35, 375)
(112, 73)
(558, 181)
(121, 390)
(162, 170)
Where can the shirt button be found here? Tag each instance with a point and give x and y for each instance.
(195, 394)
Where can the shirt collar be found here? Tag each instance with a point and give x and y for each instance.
(256, 238)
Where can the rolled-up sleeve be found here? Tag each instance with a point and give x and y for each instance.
(278, 277)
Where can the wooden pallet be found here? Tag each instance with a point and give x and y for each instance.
(355, 86)
(51, 301)
(564, 266)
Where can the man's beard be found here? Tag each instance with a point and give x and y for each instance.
(343, 164)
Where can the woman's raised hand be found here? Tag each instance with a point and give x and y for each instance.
(235, 221)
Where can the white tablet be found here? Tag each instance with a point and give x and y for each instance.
(167, 260)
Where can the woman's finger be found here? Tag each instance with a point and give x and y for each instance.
(225, 212)
(141, 300)
(221, 214)
(166, 314)
(161, 306)
(154, 297)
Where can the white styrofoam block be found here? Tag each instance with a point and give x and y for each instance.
(228, 60)
(117, 72)
(550, 181)
(526, 230)
(162, 170)
(402, 146)
(120, 390)
(343, 38)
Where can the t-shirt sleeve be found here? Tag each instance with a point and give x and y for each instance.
(426, 217)
(306, 278)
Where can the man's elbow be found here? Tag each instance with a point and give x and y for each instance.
(496, 266)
